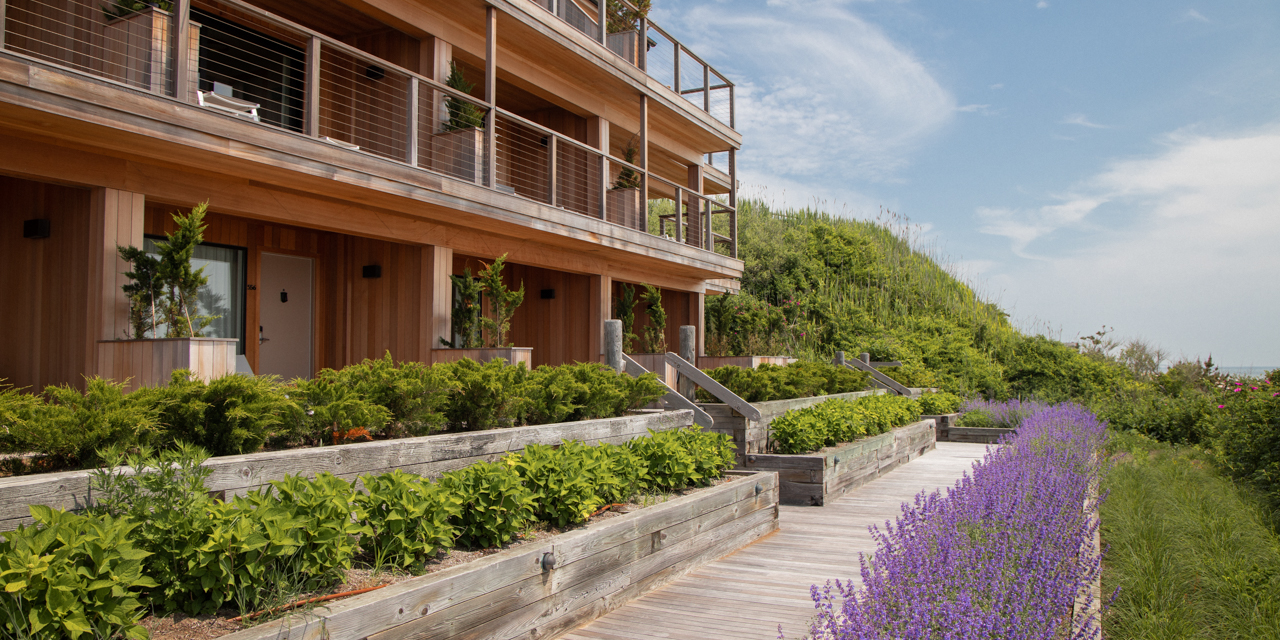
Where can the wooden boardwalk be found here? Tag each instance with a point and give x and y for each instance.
(746, 595)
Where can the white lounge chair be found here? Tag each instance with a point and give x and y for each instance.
(341, 143)
(226, 104)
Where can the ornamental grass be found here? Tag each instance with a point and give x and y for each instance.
(1006, 553)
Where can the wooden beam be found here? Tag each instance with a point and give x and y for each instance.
(879, 378)
(437, 299)
(311, 109)
(181, 47)
(697, 317)
(673, 398)
(706, 88)
(700, 378)
(733, 202)
(602, 21)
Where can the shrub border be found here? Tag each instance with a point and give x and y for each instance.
(751, 436)
(427, 455)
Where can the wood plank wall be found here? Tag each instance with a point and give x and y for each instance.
(44, 321)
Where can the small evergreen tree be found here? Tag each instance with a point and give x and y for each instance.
(462, 114)
(655, 335)
(163, 288)
(502, 302)
(144, 290)
(466, 312)
(624, 309)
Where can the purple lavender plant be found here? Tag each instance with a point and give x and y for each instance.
(1006, 553)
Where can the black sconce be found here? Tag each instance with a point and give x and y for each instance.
(38, 228)
(284, 296)
(548, 294)
(371, 271)
(374, 72)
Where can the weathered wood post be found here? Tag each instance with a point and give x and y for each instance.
(688, 348)
(865, 357)
(613, 344)
(839, 359)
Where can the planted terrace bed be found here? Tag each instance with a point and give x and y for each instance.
(541, 589)
(752, 436)
(428, 456)
(814, 478)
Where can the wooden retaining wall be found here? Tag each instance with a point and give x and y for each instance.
(814, 478)
(513, 594)
(751, 436)
(949, 432)
(428, 455)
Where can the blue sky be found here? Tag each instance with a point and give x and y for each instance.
(1092, 163)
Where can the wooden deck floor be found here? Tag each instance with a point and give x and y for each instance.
(746, 595)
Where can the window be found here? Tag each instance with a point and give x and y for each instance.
(223, 296)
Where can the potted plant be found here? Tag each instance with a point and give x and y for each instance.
(458, 150)
(624, 199)
(622, 26)
(165, 324)
(477, 335)
(653, 337)
(131, 55)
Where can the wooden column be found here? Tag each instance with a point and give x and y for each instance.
(598, 137)
(115, 218)
(311, 104)
(490, 97)
(733, 202)
(180, 47)
(599, 309)
(602, 17)
(698, 223)
(434, 58)
(642, 54)
(437, 299)
(2, 16)
(644, 163)
(411, 145)
(697, 318)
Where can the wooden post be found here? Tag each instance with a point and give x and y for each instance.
(116, 219)
(642, 53)
(181, 47)
(839, 359)
(599, 308)
(865, 358)
(676, 81)
(697, 317)
(706, 88)
(679, 214)
(311, 113)
(411, 146)
(732, 110)
(598, 137)
(490, 96)
(551, 171)
(644, 161)
(733, 201)
(602, 15)
(437, 295)
(613, 344)
(688, 351)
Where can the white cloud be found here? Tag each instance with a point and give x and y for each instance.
(982, 109)
(830, 97)
(1192, 14)
(1081, 120)
(998, 85)
(1042, 4)
(1179, 248)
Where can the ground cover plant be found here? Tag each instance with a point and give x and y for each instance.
(156, 540)
(373, 399)
(784, 382)
(999, 556)
(836, 421)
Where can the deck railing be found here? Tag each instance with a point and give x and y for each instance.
(246, 63)
(654, 51)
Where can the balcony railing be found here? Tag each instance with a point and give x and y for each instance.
(242, 62)
(652, 50)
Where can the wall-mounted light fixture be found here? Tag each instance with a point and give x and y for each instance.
(371, 271)
(38, 228)
(548, 294)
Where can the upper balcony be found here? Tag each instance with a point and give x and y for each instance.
(372, 95)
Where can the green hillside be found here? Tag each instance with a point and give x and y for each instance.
(815, 284)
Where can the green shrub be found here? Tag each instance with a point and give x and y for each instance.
(712, 453)
(799, 431)
(415, 394)
(333, 412)
(409, 519)
(564, 481)
(16, 411)
(628, 473)
(70, 426)
(495, 504)
(938, 404)
(71, 576)
(796, 380)
(331, 523)
(1247, 439)
(670, 465)
(976, 419)
(228, 416)
(487, 396)
(836, 420)
(585, 391)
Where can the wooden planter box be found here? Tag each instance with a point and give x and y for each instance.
(624, 43)
(513, 355)
(136, 49)
(147, 363)
(518, 593)
(428, 455)
(459, 154)
(750, 436)
(707, 363)
(813, 479)
(622, 206)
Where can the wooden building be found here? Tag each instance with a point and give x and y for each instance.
(346, 180)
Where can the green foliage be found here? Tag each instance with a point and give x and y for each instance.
(488, 396)
(163, 289)
(622, 17)
(144, 291)
(712, 453)
(976, 419)
(655, 333)
(335, 412)
(746, 325)
(462, 114)
(1052, 372)
(627, 177)
(330, 518)
(502, 302)
(17, 409)
(563, 479)
(937, 404)
(496, 505)
(1247, 439)
(467, 315)
(797, 380)
(71, 576)
(228, 416)
(585, 391)
(409, 519)
(69, 426)
(414, 394)
(628, 472)
(670, 465)
(836, 420)
(624, 310)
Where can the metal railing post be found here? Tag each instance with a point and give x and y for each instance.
(732, 109)
(311, 113)
(411, 148)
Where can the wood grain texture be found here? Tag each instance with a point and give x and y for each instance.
(598, 567)
(429, 456)
(748, 594)
(150, 363)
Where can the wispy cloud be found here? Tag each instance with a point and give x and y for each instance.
(1080, 120)
(1192, 14)
(998, 85)
(829, 94)
(982, 109)
(1042, 4)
